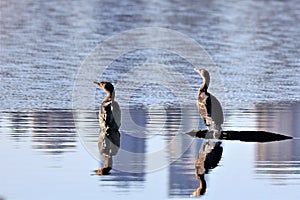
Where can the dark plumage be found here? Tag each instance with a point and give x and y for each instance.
(109, 113)
(209, 107)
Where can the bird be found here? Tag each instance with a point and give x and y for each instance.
(208, 105)
(208, 158)
(110, 121)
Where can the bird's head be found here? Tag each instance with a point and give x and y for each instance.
(204, 74)
(106, 86)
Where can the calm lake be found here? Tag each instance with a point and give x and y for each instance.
(52, 51)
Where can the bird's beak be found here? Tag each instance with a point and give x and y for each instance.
(198, 70)
(97, 83)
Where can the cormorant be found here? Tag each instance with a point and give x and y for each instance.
(209, 107)
(208, 158)
(109, 120)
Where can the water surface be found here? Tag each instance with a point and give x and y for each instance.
(254, 45)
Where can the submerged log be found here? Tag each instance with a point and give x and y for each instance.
(245, 136)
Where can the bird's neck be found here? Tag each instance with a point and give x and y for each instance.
(109, 97)
(204, 86)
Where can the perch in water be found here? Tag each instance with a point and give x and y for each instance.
(245, 136)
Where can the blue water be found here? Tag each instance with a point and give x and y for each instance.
(49, 127)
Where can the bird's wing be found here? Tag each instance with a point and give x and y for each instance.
(116, 111)
(216, 111)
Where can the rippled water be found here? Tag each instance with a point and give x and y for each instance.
(254, 45)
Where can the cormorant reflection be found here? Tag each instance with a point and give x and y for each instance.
(109, 136)
(208, 158)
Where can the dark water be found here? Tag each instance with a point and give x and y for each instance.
(255, 48)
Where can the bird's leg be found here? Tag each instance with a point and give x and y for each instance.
(106, 167)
